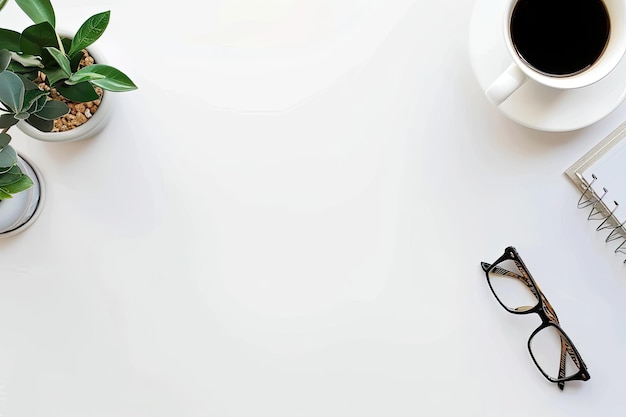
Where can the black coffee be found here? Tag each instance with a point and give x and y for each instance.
(560, 37)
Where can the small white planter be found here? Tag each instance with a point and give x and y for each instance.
(19, 212)
(84, 131)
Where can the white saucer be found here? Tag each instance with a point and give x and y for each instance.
(534, 105)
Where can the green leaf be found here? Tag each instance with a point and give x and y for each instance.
(2, 3)
(11, 90)
(89, 32)
(61, 59)
(21, 69)
(5, 139)
(36, 37)
(38, 105)
(4, 195)
(104, 76)
(32, 94)
(11, 176)
(54, 75)
(8, 157)
(26, 60)
(67, 43)
(5, 59)
(14, 170)
(38, 10)
(40, 124)
(10, 39)
(6, 120)
(117, 84)
(28, 83)
(30, 98)
(24, 183)
(78, 93)
(75, 60)
(83, 76)
(53, 109)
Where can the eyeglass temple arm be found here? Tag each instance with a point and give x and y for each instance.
(562, 362)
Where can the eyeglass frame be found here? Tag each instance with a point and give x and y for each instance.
(545, 311)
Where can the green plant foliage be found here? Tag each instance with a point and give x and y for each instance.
(6, 121)
(62, 60)
(12, 179)
(39, 48)
(9, 39)
(9, 177)
(37, 37)
(8, 158)
(5, 59)
(11, 91)
(38, 10)
(79, 93)
(104, 76)
(20, 99)
(52, 110)
(5, 139)
(89, 32)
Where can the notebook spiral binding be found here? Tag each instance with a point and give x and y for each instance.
(600, 211)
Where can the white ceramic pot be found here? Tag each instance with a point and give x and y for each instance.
(19, 212)
(84, 131)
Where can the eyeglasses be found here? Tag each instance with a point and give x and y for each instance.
(551, 349)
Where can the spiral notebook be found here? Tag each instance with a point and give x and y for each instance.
(601, 177)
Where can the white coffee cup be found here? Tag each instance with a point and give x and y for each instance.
(521, 71)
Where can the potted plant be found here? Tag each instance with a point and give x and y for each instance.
(68, 67)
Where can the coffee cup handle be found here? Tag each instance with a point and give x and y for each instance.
(506, 84)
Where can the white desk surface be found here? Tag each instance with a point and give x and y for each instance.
(287, 219)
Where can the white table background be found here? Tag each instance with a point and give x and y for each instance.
(287, 219)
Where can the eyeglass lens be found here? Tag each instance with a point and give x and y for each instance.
(511, 287)
(545, 348)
